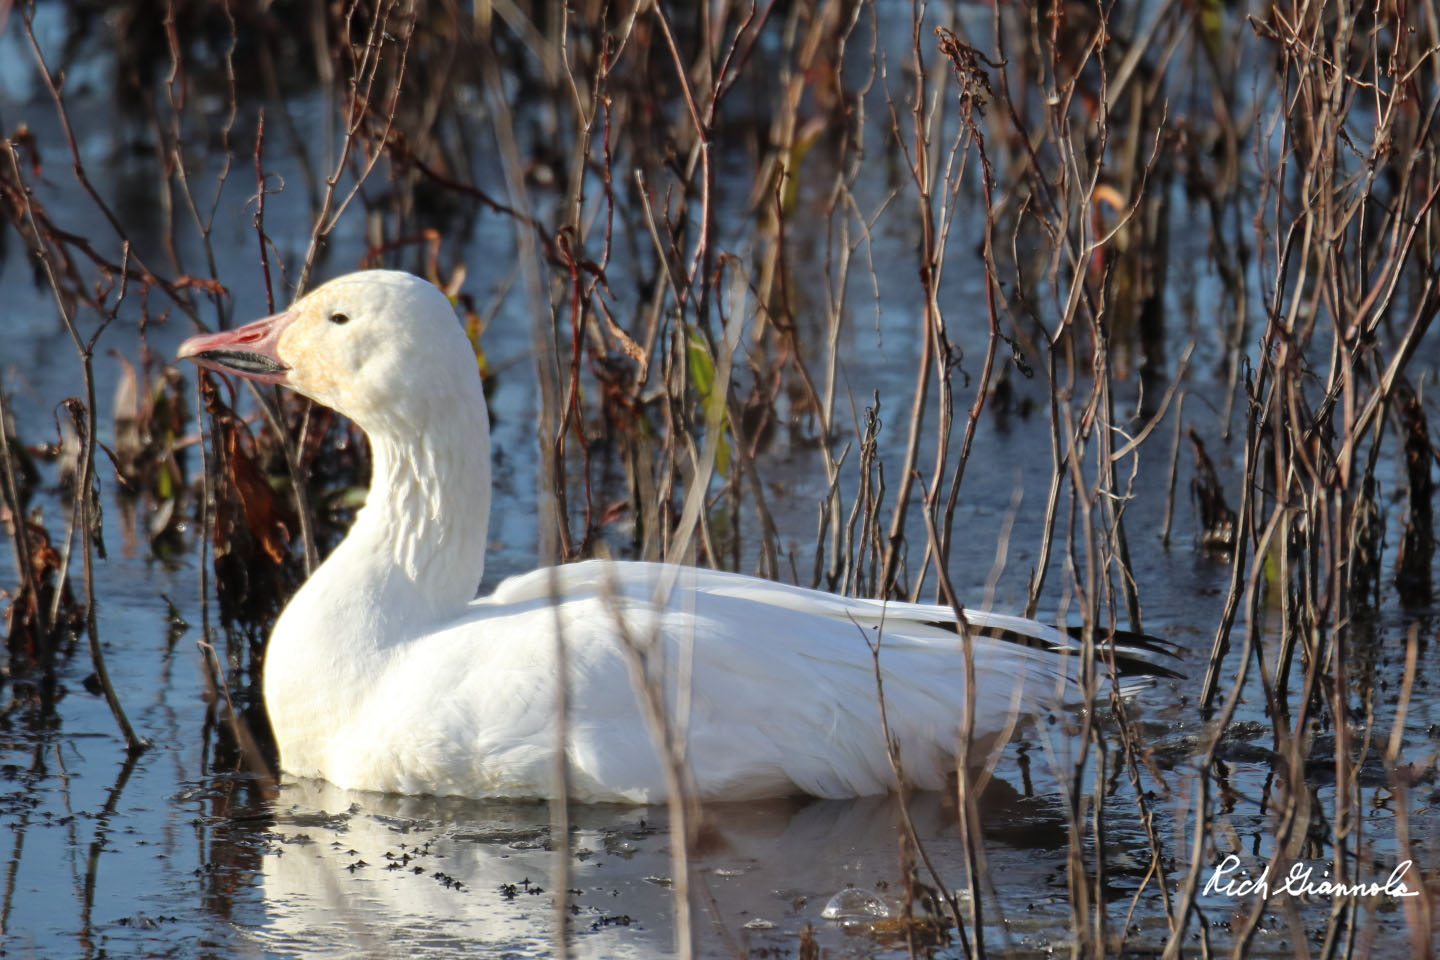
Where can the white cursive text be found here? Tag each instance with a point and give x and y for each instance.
(1299, 882)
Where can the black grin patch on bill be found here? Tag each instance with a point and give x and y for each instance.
(242, 361)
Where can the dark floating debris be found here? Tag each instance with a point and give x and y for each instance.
(622, 920)
(1217, 520)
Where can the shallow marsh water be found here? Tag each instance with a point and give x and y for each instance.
(173, 855)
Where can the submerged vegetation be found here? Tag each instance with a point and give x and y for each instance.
(1109, 229)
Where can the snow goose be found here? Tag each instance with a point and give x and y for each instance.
(385, 673)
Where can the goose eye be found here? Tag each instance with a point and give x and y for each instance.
(339, 318)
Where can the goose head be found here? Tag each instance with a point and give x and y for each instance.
(379, 346)
(386, 350)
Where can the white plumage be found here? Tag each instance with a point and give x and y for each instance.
(384, 674)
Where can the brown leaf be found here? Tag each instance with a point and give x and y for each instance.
(266, 514)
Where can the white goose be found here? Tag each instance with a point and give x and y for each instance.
(385, 673)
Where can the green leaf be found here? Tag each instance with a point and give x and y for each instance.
(702, 377)
(1210, 17)
(804, 139)
(702, 368)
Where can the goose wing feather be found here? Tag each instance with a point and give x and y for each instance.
(781, 694)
